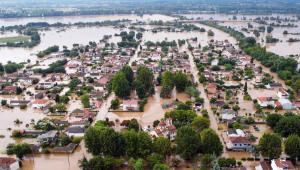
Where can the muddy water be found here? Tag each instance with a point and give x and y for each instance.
(56, 161)
(201, 36)
(8, 116)
(53, 37)
(67, 37)
(74, 19)
(282, 47)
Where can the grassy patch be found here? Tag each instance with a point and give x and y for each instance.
(15, 39)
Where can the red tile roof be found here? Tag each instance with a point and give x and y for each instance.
(6, 161)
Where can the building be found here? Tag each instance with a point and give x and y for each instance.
(40, 103)
(282, 164)
(228, 114)
(165, 128)
(285, 104)
(282, 94)
(211, 88)
(14, 103)
(75, 131)
(48, 137)
(238, 143)
(9, 90)
(235, 133)
(7, 163)
(130, 105)
(265, 102)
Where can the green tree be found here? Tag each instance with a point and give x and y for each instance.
(115, 104)
(144, 82)
(133, 124)
(192, 91)
(200, 123)
(138, 144)
(73, 84)
(188, 142)
(288, 125)
(128, 73)
(270, 146)
(292, 146)
(20, 150)
(181, 81)
(162, 146)
(167, 84)
(120, 85)
(138, 165)
(85, 100)
(155, 159)
(206, 161)
(161, 167)
(211, 143)
(273, 119)
(98, 162)
(104, 141)
(181, 117)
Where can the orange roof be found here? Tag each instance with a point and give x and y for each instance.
(40, 101)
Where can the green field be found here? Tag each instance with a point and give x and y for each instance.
(15, 39)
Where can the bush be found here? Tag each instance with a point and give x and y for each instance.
(227, 162)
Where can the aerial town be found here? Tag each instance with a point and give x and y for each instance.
(153, 91)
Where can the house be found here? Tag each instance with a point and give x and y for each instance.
(282, 94)
(238, 143)
(48, 137)
(265, 101)
(282, 164)
(102, 82)
(263, 165)
(165, 128)
(77, 113)
(45, 85)
(75, 131)
(10, 90)
(215, 62)
(19, 103)
(285, 104)
(211, 88)
(235, 133)
(130, 105)
(228, 114)
(40, 103)
(7, 163)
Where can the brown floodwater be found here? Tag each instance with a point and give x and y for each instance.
(68, 36)
(153, 109)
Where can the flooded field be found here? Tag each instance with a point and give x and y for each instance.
(282, 47)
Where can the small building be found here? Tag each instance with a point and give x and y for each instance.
(238, 143)
(45, 85)
(282, 164)
(130, 105)
(211, 88)
(228, 115)
(265, 101)
(235, 133)
(285, 104)
(282, 94)
(9, 90)
(40, 103)
(19, 103)
(75, 131)
(48, 137)
(7, 163)
(165, 128)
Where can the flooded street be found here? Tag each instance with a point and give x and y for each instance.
(153, 109)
